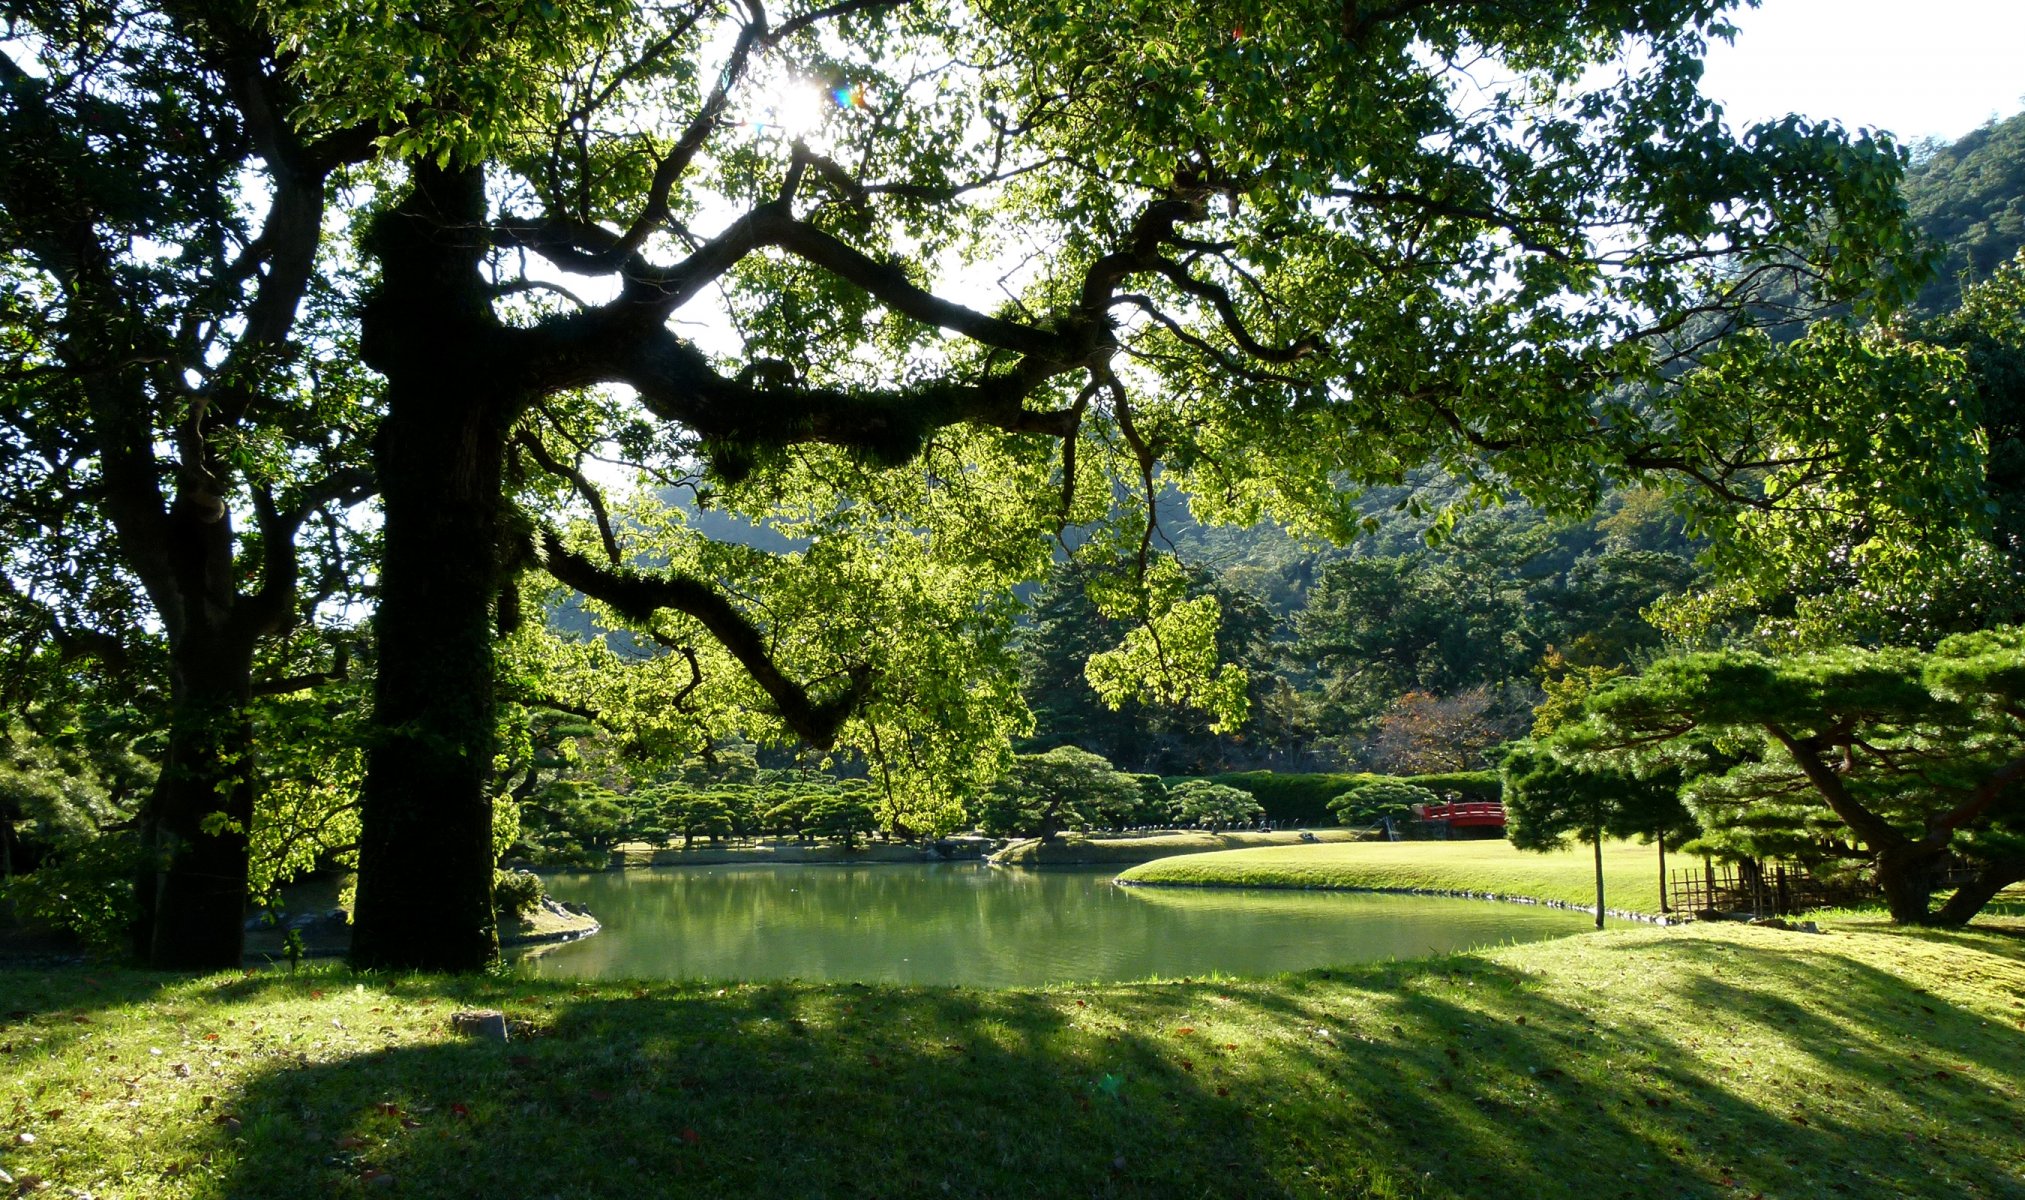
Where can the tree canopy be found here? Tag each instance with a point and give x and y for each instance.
(921, 287)
(1918, 756)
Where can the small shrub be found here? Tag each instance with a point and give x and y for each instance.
(1207, 805)
(1378, 799)
(517, 893)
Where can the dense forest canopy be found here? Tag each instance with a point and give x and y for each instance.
(921, 289)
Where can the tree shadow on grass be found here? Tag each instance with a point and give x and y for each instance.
(758, 1091)
(1398, 1080)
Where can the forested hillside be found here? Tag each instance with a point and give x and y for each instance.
(1454, 631)
(1969, 197)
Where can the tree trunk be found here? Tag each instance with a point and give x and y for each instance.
(425, 843)
(1599, 878)
(1906, 875)
(1970, 898)
(192, 890)
(1662, 873)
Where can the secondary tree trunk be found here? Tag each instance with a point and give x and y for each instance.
(194, 830)
(1970, 898)
(425, 845)
(1662, 874)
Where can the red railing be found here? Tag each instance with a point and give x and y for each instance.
(1476, 812)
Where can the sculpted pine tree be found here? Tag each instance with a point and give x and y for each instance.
(965, 270)
(1919, 757)
(167, 433)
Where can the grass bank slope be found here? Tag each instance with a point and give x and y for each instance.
(1717, 1062)
(1071, 849)
(1630, 871)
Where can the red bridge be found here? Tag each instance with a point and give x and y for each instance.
(1474, 814)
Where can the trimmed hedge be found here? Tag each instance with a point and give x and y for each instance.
(1304, 799)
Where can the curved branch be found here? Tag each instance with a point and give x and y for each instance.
(639, 596)
(577, 480)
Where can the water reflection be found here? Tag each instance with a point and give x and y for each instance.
(968, 924)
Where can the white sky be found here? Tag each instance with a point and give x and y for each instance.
(1919, 68)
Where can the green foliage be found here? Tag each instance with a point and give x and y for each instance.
(1378, 798)
(1067, 629)
(1474, 616)
(59, 791)
(706, 814)
(517, 893)
(572, 821)
(86, 889)
(843, 815)
(1988, 330)
(1304, 799)
(1202, 804)
(1916, 755)
(1171, 658)
(1065, 788)
(1269, 264)
(313, 763)
(1969, 197)
(1838, 540)
(1549, 800)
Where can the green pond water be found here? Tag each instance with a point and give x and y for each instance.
(970, 924)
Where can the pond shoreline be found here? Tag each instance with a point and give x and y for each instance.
(1622, 914)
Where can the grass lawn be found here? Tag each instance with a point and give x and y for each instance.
(1630, 870)
(1076, 848)
(1700, 1062)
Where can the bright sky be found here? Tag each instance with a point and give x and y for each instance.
(1919, 68)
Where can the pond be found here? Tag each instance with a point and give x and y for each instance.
(964, 923)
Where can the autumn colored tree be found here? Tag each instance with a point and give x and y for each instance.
(1420, 734)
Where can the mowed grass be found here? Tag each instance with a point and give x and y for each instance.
(1630, 870)
(1071, 848)
(1706, 1062)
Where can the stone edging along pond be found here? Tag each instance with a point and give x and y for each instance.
(1621, 914)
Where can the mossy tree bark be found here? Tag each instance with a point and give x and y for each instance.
(425, 850)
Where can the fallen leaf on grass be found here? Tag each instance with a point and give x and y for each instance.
(691, 1136)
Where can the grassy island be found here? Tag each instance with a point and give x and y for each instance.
(1492, 866)
(1718, 1061)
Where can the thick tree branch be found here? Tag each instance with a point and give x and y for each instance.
(639, 596)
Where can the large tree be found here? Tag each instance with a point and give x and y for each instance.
(175, 446)
(1258, 251)
(1919, 757)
